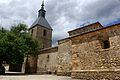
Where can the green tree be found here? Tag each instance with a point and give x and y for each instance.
(2, 49)
(16, 43)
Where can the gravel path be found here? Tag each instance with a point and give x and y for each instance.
(34, 77)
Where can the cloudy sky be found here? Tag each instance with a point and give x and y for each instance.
(62, 15)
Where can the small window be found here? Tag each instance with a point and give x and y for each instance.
(44, 33)
(106, 44)
(48, 58)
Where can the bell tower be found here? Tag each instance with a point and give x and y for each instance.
(41, 29)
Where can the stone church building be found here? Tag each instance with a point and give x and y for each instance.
(90, 52)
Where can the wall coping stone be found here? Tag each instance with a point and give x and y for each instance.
(98, 70)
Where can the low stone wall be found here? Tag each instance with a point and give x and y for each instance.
(97, 75)
(47, 61)
(64, 58)
(32, 64)
(29, 65)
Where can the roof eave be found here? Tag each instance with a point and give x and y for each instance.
(39, 25)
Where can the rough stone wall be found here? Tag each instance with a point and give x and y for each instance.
(29, 65)
(34, 33)
(64, 57)
(23, 65)
(32, 61)
(85, 29)
(47, 61)
(45, 41)
(91, 61)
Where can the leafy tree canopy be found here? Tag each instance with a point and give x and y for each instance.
(15, 43)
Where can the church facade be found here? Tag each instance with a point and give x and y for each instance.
(90, 52)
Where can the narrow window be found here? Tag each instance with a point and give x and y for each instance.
(106, 44)
(48, 58)
(44, 33)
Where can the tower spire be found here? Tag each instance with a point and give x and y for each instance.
(42, 11)
(42, 5)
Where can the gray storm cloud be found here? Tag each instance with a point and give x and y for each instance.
(62, 15)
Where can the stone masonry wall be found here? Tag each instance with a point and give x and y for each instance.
(64, 57)
(91, 61)
(45, 41)
(29, 65)
(33, 32)
(85, 29)
(32, 61)
(47, 61)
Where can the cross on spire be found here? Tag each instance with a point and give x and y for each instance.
(42, 11)
(42, 5)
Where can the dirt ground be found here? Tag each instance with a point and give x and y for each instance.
(20, 76)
